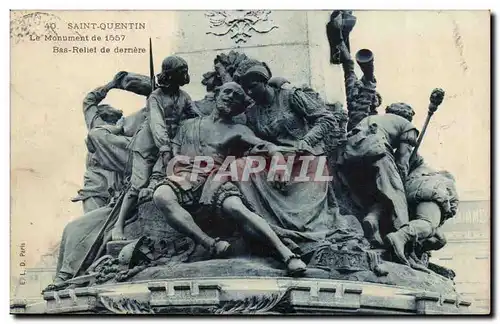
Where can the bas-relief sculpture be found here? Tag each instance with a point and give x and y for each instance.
(240, 24)
(189, 241)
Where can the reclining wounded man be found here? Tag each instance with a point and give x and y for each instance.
(187, 184)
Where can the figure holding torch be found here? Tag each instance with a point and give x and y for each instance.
(435, 99)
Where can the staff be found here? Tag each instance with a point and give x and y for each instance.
(151, 66)
(436, 99)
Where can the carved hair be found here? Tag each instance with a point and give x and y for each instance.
(378, 100)
(401, 109)
(169, 66)
(108, 113)
(246, 65)
(257, 73)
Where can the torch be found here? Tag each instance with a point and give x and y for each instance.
(435, 99)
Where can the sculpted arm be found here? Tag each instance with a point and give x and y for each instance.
(158, 125)
(90, 103)
(350, 77)
(320, 119)
(361, 95)
(190, 111)
(404, 151)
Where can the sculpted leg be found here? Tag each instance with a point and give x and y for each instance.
(93, 203)
(427, 219)
(371, 225)
(234, 207)
(177, 217)
(141, 171)
(435, 242)
(129, 201)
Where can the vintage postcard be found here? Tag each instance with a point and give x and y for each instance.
(250, 162)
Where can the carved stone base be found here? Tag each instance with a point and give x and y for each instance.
(395, 274)
(18, 306)
(347, 261)
(247, 295)
(71, 300)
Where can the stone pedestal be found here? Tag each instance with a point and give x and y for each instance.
(70, 301)
(18, 306)
(251, 296)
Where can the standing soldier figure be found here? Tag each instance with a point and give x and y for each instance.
(98, 182)
(432, 199)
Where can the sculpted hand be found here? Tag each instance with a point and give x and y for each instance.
(269, 149)
(344, 53)
(403, 172)
(166, 157)
(111, 115)
(304, 147)
(116, 83)
(272, 150)
(120, 123)
(337, 21)
(280, 182)
(280, 179)
(145, 195)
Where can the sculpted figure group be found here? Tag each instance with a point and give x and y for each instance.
(248, 115)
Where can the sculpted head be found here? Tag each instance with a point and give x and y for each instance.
(230, 99)
(174, 71)
(246, 64)
(254, 81)
(109, 114)
(401, 109)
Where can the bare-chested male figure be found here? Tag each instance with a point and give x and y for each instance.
(209, 136)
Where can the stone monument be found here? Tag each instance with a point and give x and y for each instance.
(219, 225)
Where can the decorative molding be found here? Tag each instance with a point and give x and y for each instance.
(18, 306)
(247, 296)
(256, 304)
(70, 300)
(240, 24)
(430, 303)
(125, 305)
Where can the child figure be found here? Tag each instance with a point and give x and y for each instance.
(166, 107)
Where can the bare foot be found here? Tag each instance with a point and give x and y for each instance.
(295, 266)
(397, 244)
(117, 234)
(372, 232)
(220, 248)
(417, 265)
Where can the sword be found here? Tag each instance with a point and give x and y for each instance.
(151, 66)
(435, 99)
